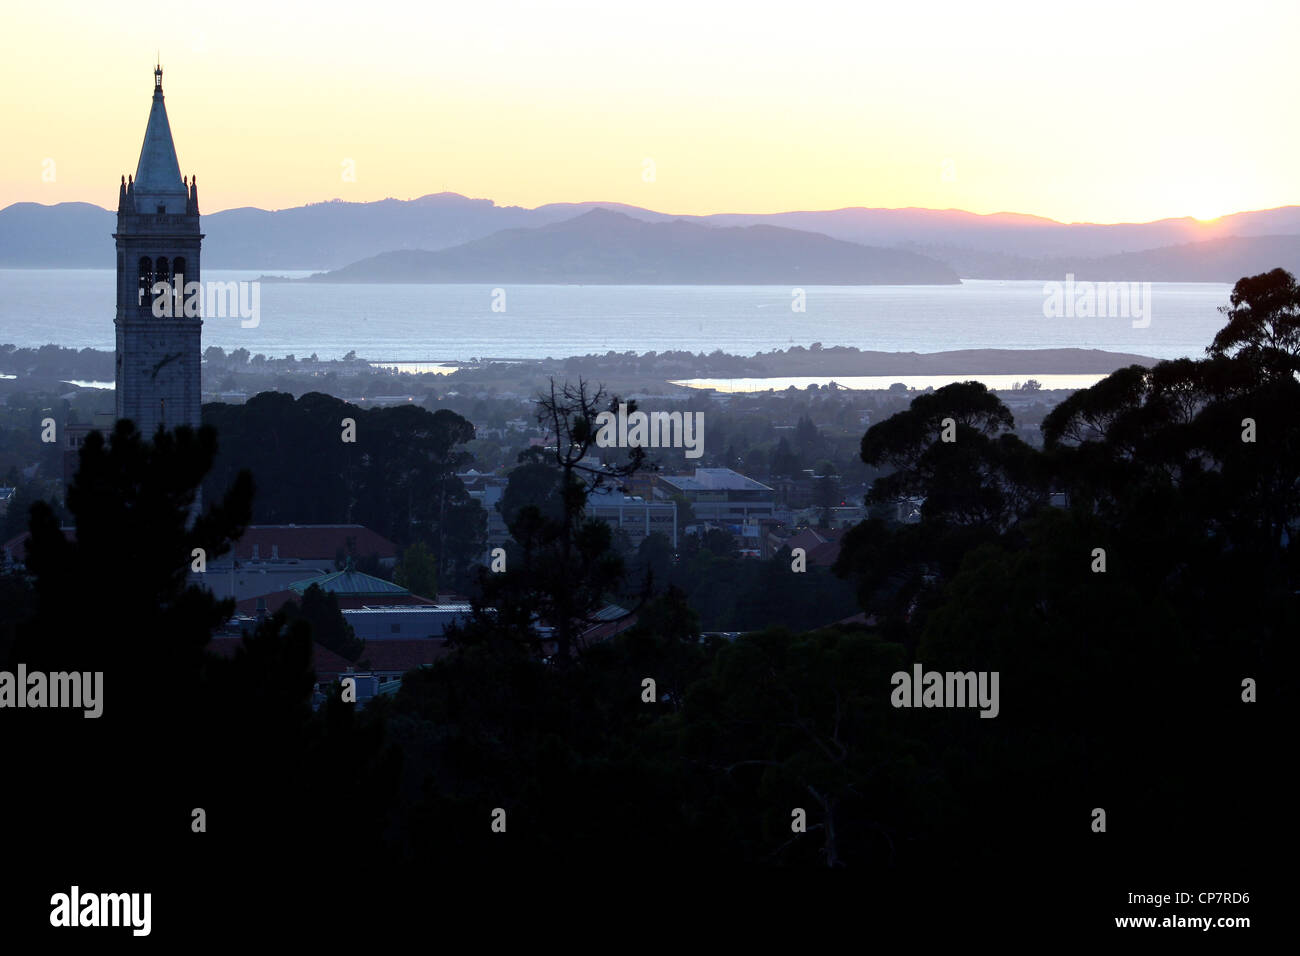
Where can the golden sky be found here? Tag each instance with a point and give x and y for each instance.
(1104, 112)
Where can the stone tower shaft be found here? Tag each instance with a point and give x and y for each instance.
(158, 376)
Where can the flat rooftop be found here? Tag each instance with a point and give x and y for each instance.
(714, 479)
(409, 609)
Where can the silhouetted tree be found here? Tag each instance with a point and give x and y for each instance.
(564, 568)
(417, 571)
(329, 628)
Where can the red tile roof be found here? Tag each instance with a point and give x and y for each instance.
(312, 542)
(824, 555)
(601, 632)
(401, 655)
(326, 663)
(821, 545)
(276, 600)
(306, 542)
(396, 656)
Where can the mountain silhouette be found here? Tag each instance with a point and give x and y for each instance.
(331, 235)
(602, 246)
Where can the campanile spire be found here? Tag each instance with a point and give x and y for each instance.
(158, 241)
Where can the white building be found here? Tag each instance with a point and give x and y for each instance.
(402, 621)
(635, 516)
(719, 496)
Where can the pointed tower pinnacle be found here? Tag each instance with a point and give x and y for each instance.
(158, 183)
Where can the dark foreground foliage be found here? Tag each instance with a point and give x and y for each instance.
(1120, 690)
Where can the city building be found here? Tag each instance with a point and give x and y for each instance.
(313, 545)
(719, 496)
(350, 587)
(635, 516)
(821, 546)
(404, 621)
(487, 491)
(269, 558)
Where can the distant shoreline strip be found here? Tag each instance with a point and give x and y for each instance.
(993, 381)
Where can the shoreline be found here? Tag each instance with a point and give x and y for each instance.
(797, 367)
(993, 381)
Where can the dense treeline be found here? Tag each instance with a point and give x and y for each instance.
(1124, 626)
(730, 593)
(397, 476)
(1126, 623)
(54, 361)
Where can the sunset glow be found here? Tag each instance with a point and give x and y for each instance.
(1121, 113)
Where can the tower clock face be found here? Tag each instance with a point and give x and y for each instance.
(165, 361)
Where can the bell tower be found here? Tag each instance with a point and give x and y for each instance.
(158, 344)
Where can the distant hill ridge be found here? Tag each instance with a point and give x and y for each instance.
(604, 246)
(331, 235)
